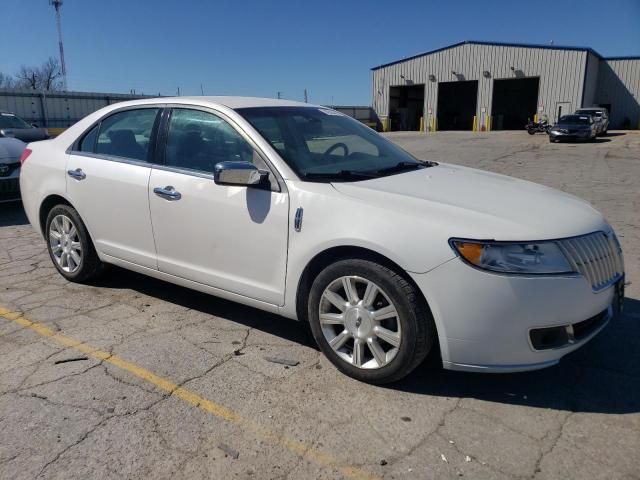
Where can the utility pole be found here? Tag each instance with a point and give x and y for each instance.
(57, 4)
(279, 95)
(201, 90)
(306, 97)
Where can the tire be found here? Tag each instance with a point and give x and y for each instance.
(551, 139)
(411, 331)
(82, 266)
(531, 131)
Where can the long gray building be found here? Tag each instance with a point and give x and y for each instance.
(56, 110)
(498, 86)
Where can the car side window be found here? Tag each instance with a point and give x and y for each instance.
(88, 142)
(198, 140)
(127, 134)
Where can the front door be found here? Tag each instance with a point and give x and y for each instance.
(228, 237)
(107, 182)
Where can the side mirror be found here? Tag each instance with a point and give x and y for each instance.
(238, 173)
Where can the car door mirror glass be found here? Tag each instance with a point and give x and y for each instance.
(239, 174)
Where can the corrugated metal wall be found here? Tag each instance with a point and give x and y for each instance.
(619, 85)
(561, 75)
(63, 109)
(56, 109)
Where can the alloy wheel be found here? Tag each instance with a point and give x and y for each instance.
(65, 244)
(360, 322)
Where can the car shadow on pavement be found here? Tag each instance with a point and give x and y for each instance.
(601, 377)
(11, 214)
(272, 324)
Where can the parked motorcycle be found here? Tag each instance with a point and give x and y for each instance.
(542, 126)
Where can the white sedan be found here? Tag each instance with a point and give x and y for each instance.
(302, 211)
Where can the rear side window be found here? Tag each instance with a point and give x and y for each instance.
(88, 142)
(127, 134)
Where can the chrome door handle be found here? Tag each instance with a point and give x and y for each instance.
(77, 174)
(168, 193)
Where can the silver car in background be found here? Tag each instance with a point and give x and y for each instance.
(10, 151)
(12, 126)
(600, 118)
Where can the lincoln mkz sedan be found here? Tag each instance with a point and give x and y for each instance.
(302, 211)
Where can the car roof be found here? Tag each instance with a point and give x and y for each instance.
(227, 101)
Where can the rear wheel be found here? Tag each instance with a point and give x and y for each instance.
(70, 246)
(369, 321)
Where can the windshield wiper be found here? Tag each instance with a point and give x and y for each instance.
(404, 166)
(341, 175)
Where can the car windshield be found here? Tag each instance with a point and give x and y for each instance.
(579, 119)
(9, 120)
(321, 144)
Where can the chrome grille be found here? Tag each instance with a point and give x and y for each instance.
(597, 256)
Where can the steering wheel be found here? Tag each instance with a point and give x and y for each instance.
(335, 146)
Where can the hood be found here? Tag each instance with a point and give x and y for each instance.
(470, 203)
(11, 149)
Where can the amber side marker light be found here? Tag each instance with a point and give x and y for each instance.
(472, 252)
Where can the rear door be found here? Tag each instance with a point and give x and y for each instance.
(108, 174)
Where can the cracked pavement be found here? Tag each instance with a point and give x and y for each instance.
(88, 418)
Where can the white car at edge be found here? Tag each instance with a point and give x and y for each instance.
(299, 210)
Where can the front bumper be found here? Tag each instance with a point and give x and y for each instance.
(485, 320)
(10, 187)
(579, 135)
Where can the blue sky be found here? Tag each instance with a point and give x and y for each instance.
(243, 47)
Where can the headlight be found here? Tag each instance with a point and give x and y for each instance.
(513, 257)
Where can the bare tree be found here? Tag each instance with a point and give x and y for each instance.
(51, 75)
(27, 77)
(46, 77)
(6, 81)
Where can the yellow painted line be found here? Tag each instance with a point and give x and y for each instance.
(215, 409)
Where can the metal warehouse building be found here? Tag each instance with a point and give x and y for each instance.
(498, 86)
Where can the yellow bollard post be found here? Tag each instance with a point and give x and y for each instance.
(422, 124)
(535, 118)
(489, 123)
(475, 124)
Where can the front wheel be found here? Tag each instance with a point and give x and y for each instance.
(531, 131)
(369, 321)
(70, 246)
